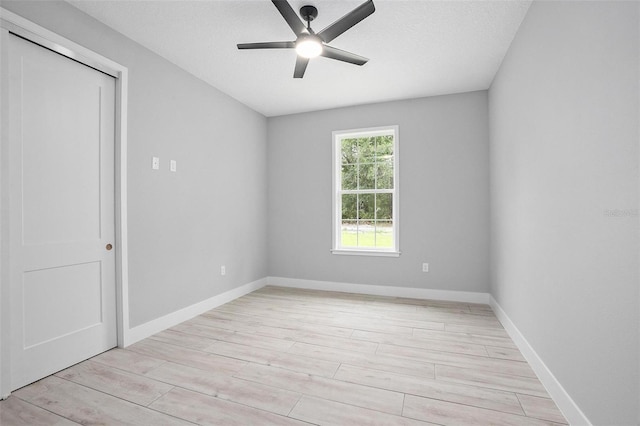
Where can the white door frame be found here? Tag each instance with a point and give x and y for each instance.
(15, 24)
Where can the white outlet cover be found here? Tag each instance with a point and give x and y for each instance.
(155, 163)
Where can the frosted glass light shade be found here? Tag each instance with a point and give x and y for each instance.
(308, 47)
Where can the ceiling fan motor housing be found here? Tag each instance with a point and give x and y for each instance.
(308, 13)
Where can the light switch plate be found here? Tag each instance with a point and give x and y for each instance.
(172, 165)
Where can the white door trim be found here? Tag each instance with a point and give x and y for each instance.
(12, 23)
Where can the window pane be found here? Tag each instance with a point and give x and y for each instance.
(367, 149)
(349, 151)
(384, 146)
(366, 206)
(367, 176)
(384, 234)
(349, 206)
(384, 174)
(349, 233)
(366, 234)
(384, 206)
(350, 176)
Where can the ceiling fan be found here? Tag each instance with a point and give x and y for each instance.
(310, 44)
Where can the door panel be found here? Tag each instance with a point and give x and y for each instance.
(43, 320)
(54, 181)
(61, 148)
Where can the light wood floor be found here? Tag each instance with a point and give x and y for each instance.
(292, 357)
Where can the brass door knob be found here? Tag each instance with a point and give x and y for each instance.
(109, 247)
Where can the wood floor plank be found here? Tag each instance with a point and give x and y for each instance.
(423, 302)
(460, 319)
(426, 314)
(330, 413)
(477, 329)
(87, 406)
(478, 339)
(479, 363)
(186, 356)
(377, 362)
(261, 341)
(480, 309)
(392, 324)
(492, 380)
(241, 352)
(431, 344)
(541, 408)
(288, 330)
(128, 360)
(322, 387)
(119, 383)
(204, 329)
(338, 343)
(505, 353)
(303, 307)
(469, 395)
(308, 365)
(377, 323)
(447, 413)
(268, 327)
(277, 359)
(15, 412)
(182, 339)
(224, 324)
(221, 386)
(207, 410)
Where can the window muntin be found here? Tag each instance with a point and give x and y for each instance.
(365, 191)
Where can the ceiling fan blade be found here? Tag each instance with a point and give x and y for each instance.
(341, 55)
(290, 16)
(268, 45)
(347, 21)
(301, 66)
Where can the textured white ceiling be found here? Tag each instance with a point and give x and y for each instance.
(416, 48)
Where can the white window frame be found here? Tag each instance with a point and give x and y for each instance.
(338, 136)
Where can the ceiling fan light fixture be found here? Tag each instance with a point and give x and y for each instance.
(308, 46)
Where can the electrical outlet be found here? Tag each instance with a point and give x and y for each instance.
(425, 267)
(223, 270)
(155, 163)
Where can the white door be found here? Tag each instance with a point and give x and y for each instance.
(61, 166)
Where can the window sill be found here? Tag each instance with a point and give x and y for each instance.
(346, 252)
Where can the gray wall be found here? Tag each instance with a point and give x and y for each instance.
(183, 225)
(444, 194)
(564, 188)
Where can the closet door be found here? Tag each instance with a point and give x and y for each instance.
(62, 230)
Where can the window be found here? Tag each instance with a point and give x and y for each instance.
(365, 183)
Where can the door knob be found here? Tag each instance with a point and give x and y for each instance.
(109, 247)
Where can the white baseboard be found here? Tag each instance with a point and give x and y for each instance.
(379, 290)
(147, 329)
(565, 403)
